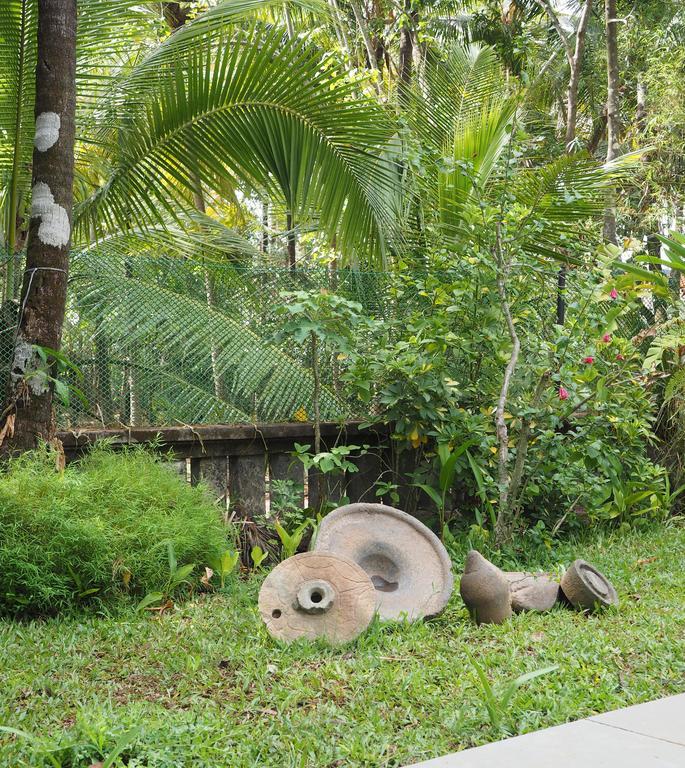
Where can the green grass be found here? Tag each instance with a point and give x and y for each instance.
(208, 687)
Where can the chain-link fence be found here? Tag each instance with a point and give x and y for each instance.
(164, 340)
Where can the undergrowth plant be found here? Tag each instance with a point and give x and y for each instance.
(100, 531)
(497, 700)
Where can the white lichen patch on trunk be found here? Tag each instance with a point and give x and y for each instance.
(54, 226)
(26, 361)
(47, 131)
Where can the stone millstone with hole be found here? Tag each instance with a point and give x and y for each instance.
(531, 591)
(586, 588)
(485, 590)
(317, 594)
(407, 563)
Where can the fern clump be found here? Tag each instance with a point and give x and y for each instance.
(99, 531)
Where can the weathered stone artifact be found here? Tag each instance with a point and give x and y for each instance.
(317, 594)
(531, 592)
(485, 590)
(408, 565)
(586, 588)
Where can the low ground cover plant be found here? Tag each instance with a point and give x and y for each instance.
(99, 531)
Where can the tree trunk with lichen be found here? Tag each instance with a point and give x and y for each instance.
(28, 413)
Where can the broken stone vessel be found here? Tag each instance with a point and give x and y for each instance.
(407, 563)
(317, 594)
(485, 590)
(586, 588)
(531, 592)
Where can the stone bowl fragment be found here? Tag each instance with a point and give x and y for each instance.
(531, 592)
(407, 563)
(317, 594)
(485, 590)
(586, 588)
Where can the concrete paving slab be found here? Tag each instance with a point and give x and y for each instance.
(661, 719)
(583, 743)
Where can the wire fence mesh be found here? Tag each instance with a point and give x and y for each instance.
(164, 340)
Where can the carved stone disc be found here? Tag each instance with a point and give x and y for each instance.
(585, 587)
(408, 565)
(317, 594)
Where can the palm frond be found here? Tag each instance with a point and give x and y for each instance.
(160, 321)
(261, 110)
(18, 30)
(464, 117)
(564, 194)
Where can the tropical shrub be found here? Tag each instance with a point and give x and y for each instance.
(579, 416)
(99, 531)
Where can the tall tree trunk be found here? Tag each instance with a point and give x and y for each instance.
(641, 99)
(505, 511)
(574, 79)
(265, 227)
(44, 288)
(289, 22)
(574, 56)
(406, 53)
(613, 111)
(366, 37)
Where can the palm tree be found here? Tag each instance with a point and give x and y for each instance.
(228, 102)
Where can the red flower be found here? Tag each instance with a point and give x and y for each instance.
(589, 359)
(606, 338)
(614, 293)
(563, 393)
(620, 357)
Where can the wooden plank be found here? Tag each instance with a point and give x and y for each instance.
(214, 472)
(247, 485)
(212, 433)
(283, 466)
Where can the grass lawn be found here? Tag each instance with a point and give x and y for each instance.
(208, 687)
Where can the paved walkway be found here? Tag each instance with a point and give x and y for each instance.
(645, 736)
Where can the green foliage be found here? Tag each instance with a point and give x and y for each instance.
(176, 578)
(327, 316)
(114, 524)
(286, 501)
(497, 702)
(337, 461)
(290, 542)
(225, 564)
(258, 556)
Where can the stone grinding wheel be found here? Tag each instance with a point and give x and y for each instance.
(408, 565)
(586, 588)
(317, 594)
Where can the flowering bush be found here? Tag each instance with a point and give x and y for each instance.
(579, 416)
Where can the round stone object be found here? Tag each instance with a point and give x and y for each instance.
(587, 588)
(317, 594)
(485, 590)
(532, 591)
(408, 565)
